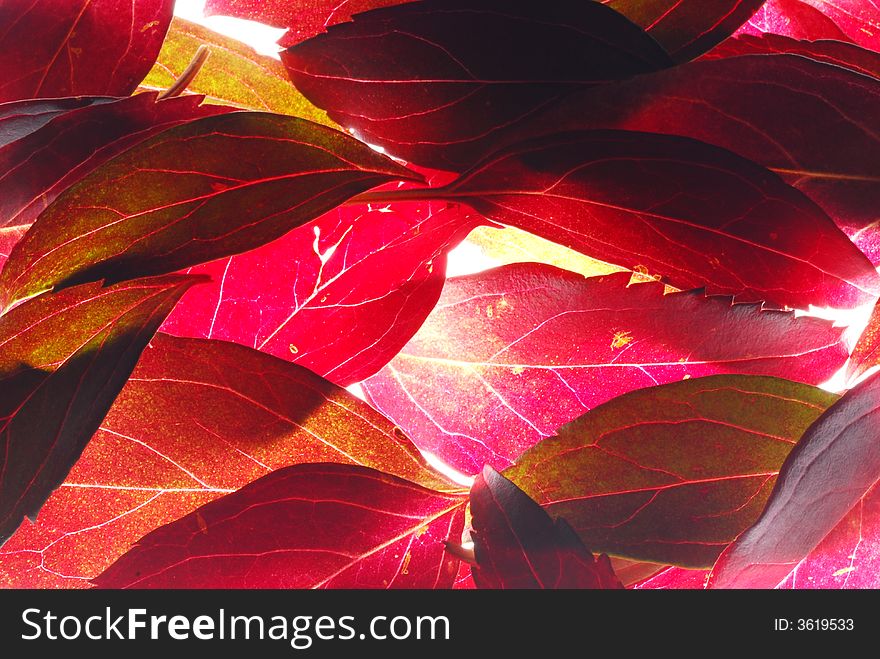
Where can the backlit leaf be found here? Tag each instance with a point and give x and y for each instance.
(432, 81)
(193, 193)
(833, 467)
(63, 359)
(306, 526)
(518, 351)
(855, 20)
(78, 47)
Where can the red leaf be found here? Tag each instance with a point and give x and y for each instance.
(793, 18)
(684, 210)
(37, 167)
(306, 526)
(304, 19)
(687, 28)
(840, 53)
(853, 20)
(340, 296)
(866, 354)
(21, 118)
(675, 578)
(848, 556)
(203, 190)
(829, 472)
(521, 350)
(518, 545)
(79, 47)
(9, 236)
(63, 359)
(433, 81)
(809, 122)
(196, 420)
(671, 474)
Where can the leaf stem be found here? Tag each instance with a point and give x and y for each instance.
(392, 196)
(189, 73)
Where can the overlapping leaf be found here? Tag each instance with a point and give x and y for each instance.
(866, 353)
(793, 18)
(687, 28)
(340, 296)
(9, 236)
(78, 47)
(21, 118)
(518, 545)
(523, 349)
(306, 526)
(836, 463)
(840, 53)
(689, 212)
(203, 190)
(433, 81)
(196, 420)
(39, 166)
(671, 474)
(808, 121)
(63, 359)
(854, 20)
(233, 74)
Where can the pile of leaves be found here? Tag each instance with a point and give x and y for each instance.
(205, 259)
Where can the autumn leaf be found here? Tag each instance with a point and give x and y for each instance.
(521, 350)
(79, 47)
(518, 545)
(40, 164)
(340, 296)
(63, 359)
(433, 82)
(833, 467)
(196, 420)
(306, 526)
(203, 190)
(233, 74)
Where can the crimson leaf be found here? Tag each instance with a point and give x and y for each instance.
(503, 344)
(78, 47)
(431, 81)
(518, 545)
(193, 193)
(39, 166)
(687, 28)
(829, 472)
(63, 359)
(793, 18)
(340, 296)
(306, 526)
(687, 211)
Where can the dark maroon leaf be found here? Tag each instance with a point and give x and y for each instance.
(340, 296)
(510, 355)
(63, 359)
(841, 53)
(692, 213)
(828, 473)
(78, 47)
(196, 192)
(39, 166)
(518, 545)
(306, 526)
(21, 118)
(687, 28)
(434, 81)
(810, 122)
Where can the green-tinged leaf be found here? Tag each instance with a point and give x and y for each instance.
(63, 359)
(233, 74)
(194, 193)
(671, 474)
